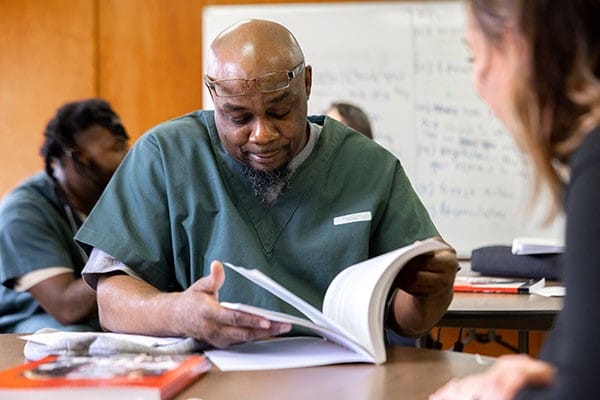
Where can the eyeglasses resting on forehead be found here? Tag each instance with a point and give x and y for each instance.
(267, 83)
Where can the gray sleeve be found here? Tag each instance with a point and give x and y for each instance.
(101, 263)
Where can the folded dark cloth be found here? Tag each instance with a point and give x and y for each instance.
(500, 261)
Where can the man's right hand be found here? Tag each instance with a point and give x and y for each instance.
(203, 318)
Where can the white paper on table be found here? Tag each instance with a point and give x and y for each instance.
(281, 353)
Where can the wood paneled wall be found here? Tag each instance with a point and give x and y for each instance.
(47, 56)
(150, 59)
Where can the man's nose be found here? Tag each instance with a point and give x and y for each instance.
(264, 131)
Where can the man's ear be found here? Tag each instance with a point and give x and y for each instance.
(308, 80)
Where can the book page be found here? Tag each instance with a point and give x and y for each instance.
(278, 353)
(329, 334)
(355, 299)
(284, 294)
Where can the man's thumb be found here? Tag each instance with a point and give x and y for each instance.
(213, 282)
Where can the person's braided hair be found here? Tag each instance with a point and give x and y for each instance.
(72, 119)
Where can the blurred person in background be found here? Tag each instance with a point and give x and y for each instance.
(536, 63)
(40, 263)
(351, 115)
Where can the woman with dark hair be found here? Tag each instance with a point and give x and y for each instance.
(40, 264)
(537, 64)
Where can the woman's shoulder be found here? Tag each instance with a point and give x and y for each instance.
(588, 153)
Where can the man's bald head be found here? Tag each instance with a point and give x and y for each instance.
(260, 88)
(252, 48)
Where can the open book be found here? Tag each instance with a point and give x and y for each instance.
(351, 325)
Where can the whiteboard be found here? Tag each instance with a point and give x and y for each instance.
(407, 66)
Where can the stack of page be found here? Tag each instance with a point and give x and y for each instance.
(528, 245)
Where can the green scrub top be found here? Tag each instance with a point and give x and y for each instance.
(35, 233)
(179, 201)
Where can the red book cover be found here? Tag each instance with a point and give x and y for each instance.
(488, 284)
(123, 376)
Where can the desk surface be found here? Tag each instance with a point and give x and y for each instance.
(410, 373)
(497, 302)
(502, 311)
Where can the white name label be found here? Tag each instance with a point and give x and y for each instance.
(350, 218)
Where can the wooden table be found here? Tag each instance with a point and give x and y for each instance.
(410, 373)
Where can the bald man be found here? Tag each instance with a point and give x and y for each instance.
(255, 183)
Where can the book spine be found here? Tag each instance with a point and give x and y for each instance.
(496, 289)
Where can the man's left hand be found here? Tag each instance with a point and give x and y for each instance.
(429, 274)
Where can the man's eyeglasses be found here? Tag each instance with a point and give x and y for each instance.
(267, 83)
